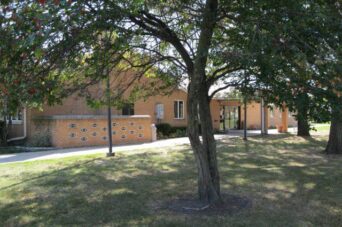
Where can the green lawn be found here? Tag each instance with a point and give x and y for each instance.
(288, 179)
(321, 127)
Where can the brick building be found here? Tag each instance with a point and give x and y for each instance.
(74, 123)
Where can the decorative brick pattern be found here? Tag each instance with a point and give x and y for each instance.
(72, 125)
(90, 132)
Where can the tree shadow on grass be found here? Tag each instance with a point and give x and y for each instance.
(288, 177)
(289, 181)
(100, 191)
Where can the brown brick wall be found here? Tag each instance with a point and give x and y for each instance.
(148, 107)
(16, 130)
(83, 131)
(75, 105)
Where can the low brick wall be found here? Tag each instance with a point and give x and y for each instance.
(92, 130)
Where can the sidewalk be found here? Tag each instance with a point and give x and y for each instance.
(62, 153)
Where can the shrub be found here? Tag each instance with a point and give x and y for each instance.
(164, 128)
(165, 131)
(40, 140)
(180, 132)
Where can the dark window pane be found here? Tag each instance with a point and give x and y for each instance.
(175, 109)
(128, 109)
(181, 112)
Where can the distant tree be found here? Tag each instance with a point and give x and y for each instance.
(296, 52)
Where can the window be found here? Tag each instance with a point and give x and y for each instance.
(160, 111)
(128, 109)
(16, 118)
(179, 109)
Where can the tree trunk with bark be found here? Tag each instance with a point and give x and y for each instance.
(302, 116)
(303, 125)
(198, 104)
(335, 137)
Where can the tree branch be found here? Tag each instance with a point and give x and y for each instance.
(159, 29)
(223, 88)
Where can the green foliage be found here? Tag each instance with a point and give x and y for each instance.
(40, 140)
(295, 53)
(165, 130)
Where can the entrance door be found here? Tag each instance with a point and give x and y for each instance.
(229, 117)
(232, 117)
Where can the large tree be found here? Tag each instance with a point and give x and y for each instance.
(296, 47)
(188, 39)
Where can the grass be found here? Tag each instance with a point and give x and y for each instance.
(321, 127)
(288, 179)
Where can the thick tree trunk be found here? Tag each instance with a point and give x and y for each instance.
(303, 126)
(302, 115)
(335, 137)
(198, 104)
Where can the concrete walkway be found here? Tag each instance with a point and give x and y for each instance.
(62, 153)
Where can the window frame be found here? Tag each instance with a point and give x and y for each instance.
(178, 111)
(130, 109)
(14, 119)
(158, 115)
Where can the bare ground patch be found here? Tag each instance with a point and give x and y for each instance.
(189, 205)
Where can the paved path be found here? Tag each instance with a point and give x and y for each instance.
(62, 153)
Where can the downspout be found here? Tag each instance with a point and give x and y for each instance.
(25, 130)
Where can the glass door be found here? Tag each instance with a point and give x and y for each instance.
(232, 117)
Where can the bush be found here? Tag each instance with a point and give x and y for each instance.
(180, 132)
(165, 131)
(40, 140)
(164, 128)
